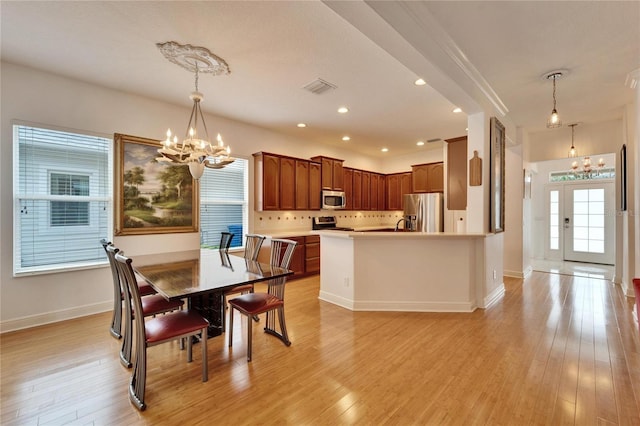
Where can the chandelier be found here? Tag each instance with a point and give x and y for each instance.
(587, 171)
(196, 150)
(554, 119)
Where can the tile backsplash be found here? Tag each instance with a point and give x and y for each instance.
(294, 221)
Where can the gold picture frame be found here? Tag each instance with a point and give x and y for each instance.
(496, 209)
(151, 197)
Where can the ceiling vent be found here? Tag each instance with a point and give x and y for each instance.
(319, 86)
(434, 140)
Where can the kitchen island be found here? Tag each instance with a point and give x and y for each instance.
(410, 271)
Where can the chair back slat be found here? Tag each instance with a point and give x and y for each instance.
(252, 246)
(225, 241)
(133, 302)
(281, 254)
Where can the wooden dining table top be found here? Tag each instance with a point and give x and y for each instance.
(184, 274)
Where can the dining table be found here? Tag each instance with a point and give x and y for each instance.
(202, 277)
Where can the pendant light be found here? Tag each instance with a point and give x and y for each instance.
(573, 152)
(554, 119)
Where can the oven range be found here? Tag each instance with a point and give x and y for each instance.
(327, 223)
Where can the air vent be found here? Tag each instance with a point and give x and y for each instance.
(434, 140)
(319, 86)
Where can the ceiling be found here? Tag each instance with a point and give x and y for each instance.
(472, 55)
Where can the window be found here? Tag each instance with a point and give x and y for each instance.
(224, 203)
(554, 220)
(62, 199)
(69, 213)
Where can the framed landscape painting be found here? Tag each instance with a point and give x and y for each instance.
(151, 197)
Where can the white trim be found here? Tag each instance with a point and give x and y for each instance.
(397, 306)
(514, 274)
(55, 316)
(494, 296)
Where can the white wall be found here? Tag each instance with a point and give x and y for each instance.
(513, 265)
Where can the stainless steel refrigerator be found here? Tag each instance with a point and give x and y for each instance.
(424, 212)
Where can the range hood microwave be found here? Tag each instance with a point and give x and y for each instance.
(333, 200)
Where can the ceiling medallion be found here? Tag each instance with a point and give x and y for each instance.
(194, 58)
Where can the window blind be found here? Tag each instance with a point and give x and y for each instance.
(62, 199)
(223, 203)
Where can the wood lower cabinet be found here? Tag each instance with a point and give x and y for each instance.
(306, 257)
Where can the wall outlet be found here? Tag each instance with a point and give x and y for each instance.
(495, 274)
(346, 282)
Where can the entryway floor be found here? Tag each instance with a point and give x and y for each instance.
(577, 269)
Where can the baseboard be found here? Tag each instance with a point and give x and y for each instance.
(494, 296)
(513, 274)
(57, 316)
(396, 306)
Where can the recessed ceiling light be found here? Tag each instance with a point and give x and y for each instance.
(457, 110)
(384, 149)
(302, 125)
(419, 82)
(346, 138)
(343, 110)
(420, 143)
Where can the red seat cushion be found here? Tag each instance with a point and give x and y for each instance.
(156, 304)
(173, 325)
(255, 303)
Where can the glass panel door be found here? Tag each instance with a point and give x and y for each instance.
(589, 222)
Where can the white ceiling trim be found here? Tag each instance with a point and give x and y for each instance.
(425, 21)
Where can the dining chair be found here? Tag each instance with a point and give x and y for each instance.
(150, 305)
(225, 241)
(145, 290)
(253, 304)
(177, 325)
(251, 251)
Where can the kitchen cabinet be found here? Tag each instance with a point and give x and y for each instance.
(267, 181)
(302, 191)
(348, 188)
(457, 173)
(305, 260)
(366, 190)
(375, 179)
(357, 189)
(382, 192)
(315, 185)
(398, 184)
(312, 254)
(428, 177)
(287, 183)
(332, 173)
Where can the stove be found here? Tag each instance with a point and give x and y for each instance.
(327, 223)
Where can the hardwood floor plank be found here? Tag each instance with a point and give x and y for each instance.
(555, 350)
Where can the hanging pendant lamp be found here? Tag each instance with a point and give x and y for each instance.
(554, 119)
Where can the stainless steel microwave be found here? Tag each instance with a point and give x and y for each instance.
(333, 200)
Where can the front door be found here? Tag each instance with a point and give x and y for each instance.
(588, 222)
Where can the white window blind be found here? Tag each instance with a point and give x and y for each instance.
(223, 203)
(62, 199)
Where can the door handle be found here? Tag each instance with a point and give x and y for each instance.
(567, 222)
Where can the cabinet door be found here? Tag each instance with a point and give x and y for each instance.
(348, 187)
(435, 177)
(327, 173)
(298, 257)
(405, 187)
(312, 254)
(420, 177)
(375, 180)
(315, 186)
(457, 174)
(302, 185)
(287, 183)
(338, 175)
(393, 192)
(382, 191)
(270, 182)
(357, 189)
(366, 188)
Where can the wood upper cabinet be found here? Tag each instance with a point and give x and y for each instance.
(315, 185)
(405, 186)
(267, 181)
(357, 189)
(375, 181)
(302, 185)
(428, 177)
(287, 183)
(457, 173)
(382, 193)
(393, 192)
(366, 190)
(348, 187)
(332, 173)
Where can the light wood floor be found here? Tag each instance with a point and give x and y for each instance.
(555, 350)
